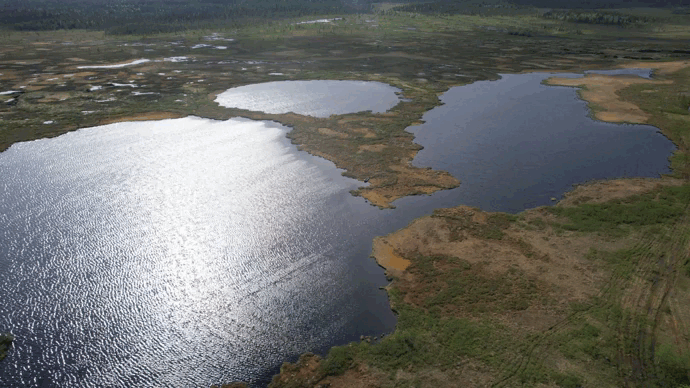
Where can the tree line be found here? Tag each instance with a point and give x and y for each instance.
(592, 17)
(151, 16)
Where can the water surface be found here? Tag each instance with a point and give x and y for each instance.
(312, 98)
(178, 253)
(515, 143)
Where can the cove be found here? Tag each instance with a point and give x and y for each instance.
(515, 143)
(188, 252)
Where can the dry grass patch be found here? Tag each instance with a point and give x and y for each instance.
(601, 92)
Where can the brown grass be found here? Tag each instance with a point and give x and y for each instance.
(601, 91)
(142, 117)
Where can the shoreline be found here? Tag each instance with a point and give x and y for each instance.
(463, 239)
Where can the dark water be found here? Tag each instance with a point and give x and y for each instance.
(515, 143)
(313, 98)
(187, 252)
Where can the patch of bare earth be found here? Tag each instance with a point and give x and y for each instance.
(368, 133)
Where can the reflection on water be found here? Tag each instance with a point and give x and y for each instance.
(176, 253)
(187, 252)
(312, 98)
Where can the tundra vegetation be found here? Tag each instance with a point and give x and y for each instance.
(590, 292)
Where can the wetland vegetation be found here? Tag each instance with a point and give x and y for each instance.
(590, 292)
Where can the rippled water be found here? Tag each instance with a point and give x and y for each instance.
(177, 253)
(187, 252)
(312, 98)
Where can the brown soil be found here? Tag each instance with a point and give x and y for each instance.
(602, 92)
(306, 373)
(53, 97)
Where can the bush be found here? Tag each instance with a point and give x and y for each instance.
(674, 367)
(659, 207)
(338, 361)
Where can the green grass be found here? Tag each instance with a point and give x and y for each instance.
(567, 380)
(662, 206)
(424, 340)
(673, 365)
(622, 262)
(339, 360)
(460, 224)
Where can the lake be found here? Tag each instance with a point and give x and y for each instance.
(190, 251)
(312, 98)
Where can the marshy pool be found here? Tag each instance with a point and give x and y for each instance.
(188, 252)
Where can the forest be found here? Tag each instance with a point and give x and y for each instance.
(153, 16)
(156, 16)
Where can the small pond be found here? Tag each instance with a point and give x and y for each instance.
(312, 98)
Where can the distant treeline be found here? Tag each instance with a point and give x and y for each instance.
(152, 16)
(592, 4)
(592, 17)
(469, 7)
(497, 7)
